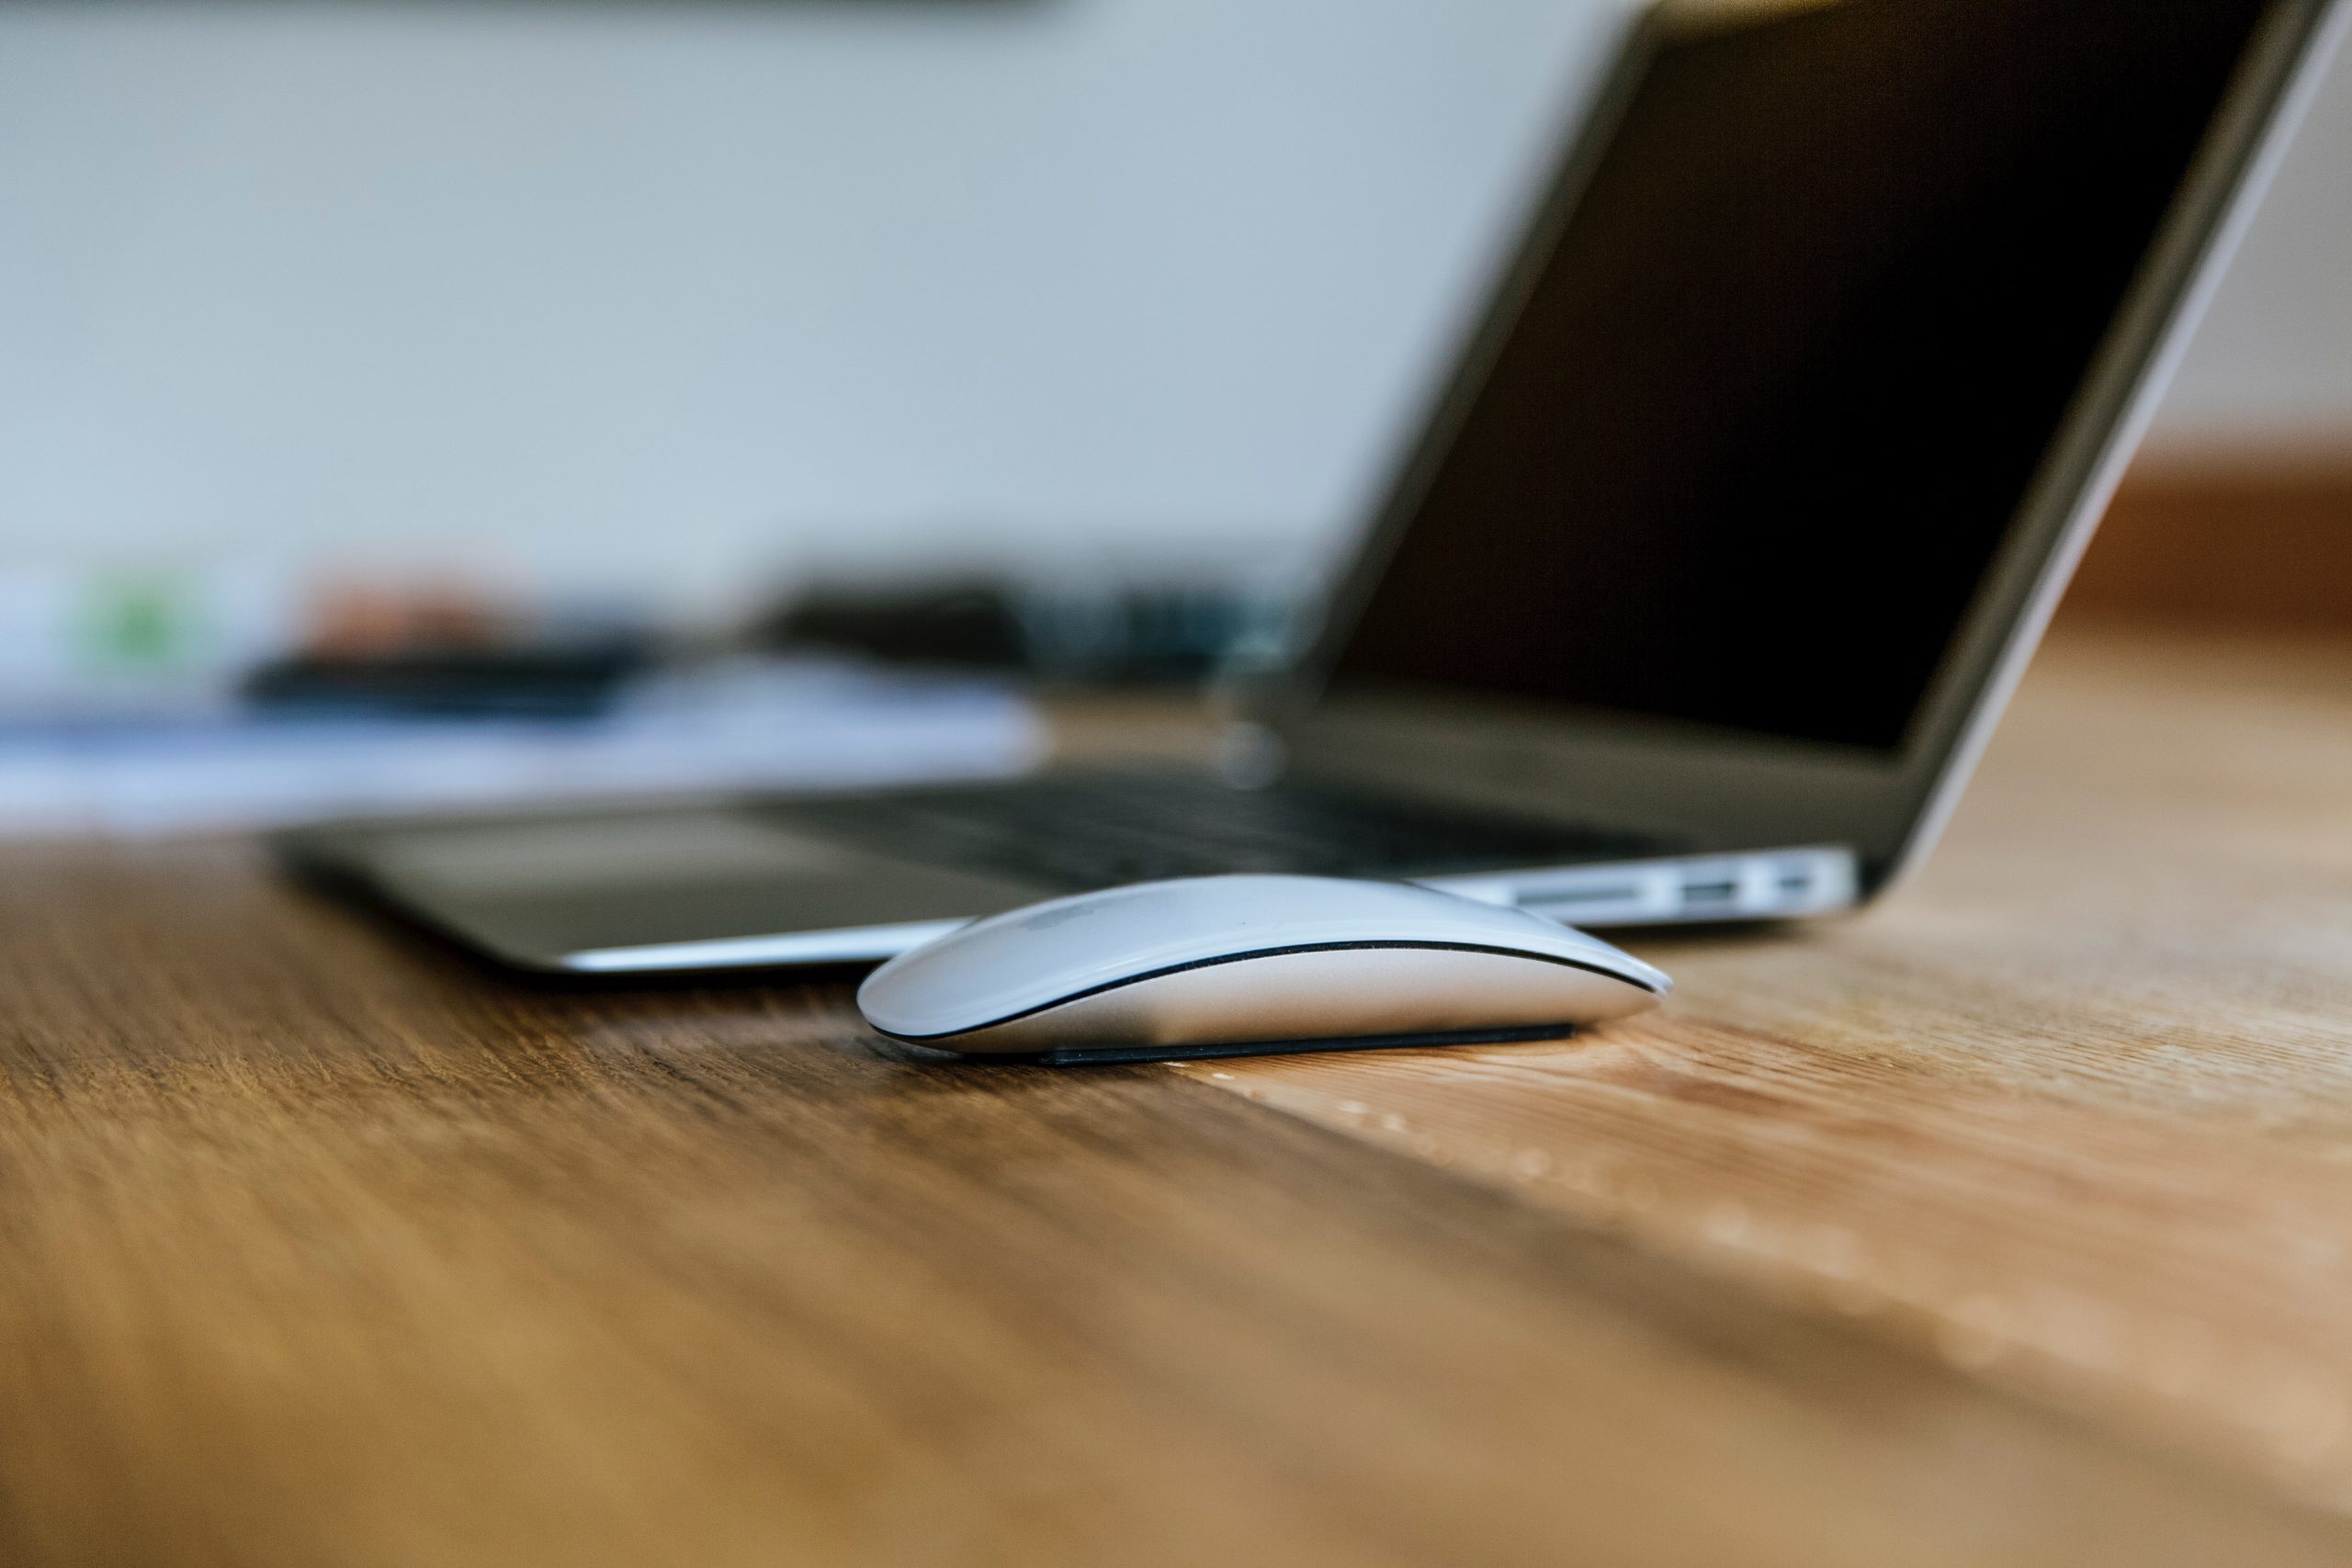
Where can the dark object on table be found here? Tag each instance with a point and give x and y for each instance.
(1153, 636)
(557, 682)
(962, 625)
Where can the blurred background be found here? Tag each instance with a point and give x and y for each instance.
(433, 403)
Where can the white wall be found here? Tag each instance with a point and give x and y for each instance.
(2271, 369)
(651, 293)
(669, 295)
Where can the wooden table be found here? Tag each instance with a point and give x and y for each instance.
(2010, 1222)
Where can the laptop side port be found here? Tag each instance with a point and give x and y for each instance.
(1761, 885)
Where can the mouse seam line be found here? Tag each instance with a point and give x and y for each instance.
(1271, 953)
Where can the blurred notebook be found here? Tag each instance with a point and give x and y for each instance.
(752, 725)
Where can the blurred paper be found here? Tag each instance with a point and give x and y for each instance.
(739, 726)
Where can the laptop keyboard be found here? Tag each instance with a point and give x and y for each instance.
(1096, 831)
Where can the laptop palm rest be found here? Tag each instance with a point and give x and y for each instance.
(543, 892)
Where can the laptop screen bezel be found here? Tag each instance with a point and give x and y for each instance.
(1729, 789)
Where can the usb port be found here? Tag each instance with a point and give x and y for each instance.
(1581, 895)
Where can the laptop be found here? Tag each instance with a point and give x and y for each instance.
(1707, 573)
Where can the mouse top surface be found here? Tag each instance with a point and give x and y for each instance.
(1013, 965)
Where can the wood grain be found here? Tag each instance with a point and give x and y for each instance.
(320, 1245)
(2073, 1110)
(317, 1248)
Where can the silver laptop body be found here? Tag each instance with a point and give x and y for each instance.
(1712, 565)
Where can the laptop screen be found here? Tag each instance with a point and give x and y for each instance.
(1778, 389)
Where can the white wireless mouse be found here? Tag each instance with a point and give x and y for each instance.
(1225, 966)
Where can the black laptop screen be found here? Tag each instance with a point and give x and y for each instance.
(1781, 384)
